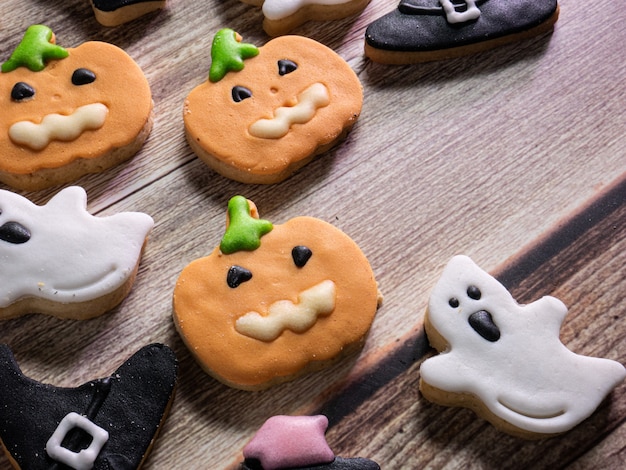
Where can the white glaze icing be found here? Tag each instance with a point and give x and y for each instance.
(58, 127)
(316, 301)
(85, 458)
(279, 9)
(309, 101)
(471, 12)
(71, 255)
(527, 377)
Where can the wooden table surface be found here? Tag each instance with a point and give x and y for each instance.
(515, 157)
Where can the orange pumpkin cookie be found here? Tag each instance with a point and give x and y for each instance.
(274, 301)
(69, 112)
(260, 121)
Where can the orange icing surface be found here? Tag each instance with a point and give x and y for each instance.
(220, 125)
(120, 85)
(206, 308)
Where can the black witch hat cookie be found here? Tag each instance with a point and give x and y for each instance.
(104, 424)
(116, 12)
(426, 30)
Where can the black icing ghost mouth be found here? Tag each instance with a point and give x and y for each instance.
(483, 324)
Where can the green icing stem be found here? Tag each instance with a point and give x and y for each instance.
(34, 50)
(244, 232)
(228, 53)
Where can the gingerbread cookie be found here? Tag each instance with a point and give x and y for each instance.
(274, 301)
(426, 30)
(297, 442)
(60, 260)
(265, 112)
(103, 424)
(281, 16)
(504, 360)
(116, 12)
(69, 112)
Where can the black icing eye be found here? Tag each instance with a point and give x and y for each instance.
(483, 324)
(473, 292)
(22, 91)
(83, 77)
(286, 66)
(453, 302)
(240, 93)
(14, 232)
(236, 275)
(300, 255)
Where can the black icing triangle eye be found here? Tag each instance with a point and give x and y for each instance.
(83, 77)
(14, 232)
(473, 292)
(240, 93)
(286, 66)
(237, 275)
(301, 255)
(22, 91)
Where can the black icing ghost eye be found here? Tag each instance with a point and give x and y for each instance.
(286, 66)
(22, 91)
(240, 93)
(453, 302)
(14, 232)
(237, 275)
(473, 292)
(300, 255)
(83, 77)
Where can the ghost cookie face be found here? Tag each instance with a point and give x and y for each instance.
(504, 360)
(281, 16)
(68, 112)
(266, 112)
(427, 30)
(274, 301)
(60, 260)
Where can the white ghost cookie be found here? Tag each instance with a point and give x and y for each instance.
(60, 260)
(504, 360)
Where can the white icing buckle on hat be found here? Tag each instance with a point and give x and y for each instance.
(455, 16)
(83, 460)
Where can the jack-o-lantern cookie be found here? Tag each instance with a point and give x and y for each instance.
(116, 12)
(60, 260)
(426, 30)
(505, 361)
(69, 112)
(265, 112)
(104, 424)
(274, 301)
(281, 16)
(297, 442)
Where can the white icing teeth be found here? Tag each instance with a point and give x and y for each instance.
(317, 301)
(308, 102)
(58, 126)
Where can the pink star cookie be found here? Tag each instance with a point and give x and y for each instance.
(290, 441)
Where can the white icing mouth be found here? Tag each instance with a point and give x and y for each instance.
(316, 301)
(59, 127)
(308, 102)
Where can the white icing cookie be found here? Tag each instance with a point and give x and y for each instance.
(505, 360)
(61, 260)
(281, 16)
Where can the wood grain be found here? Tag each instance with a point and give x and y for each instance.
(515, 157)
